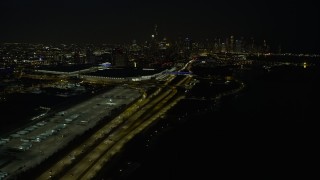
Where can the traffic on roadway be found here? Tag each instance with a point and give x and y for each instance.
(87, 159)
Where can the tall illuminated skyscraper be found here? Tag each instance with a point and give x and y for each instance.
(154, 38)
(156, 32)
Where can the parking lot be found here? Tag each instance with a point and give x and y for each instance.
(28, 147)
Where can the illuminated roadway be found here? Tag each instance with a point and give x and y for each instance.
(88, 158)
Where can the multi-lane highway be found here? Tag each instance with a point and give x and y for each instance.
(84, 161)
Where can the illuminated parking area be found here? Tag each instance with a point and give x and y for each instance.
(33, 144)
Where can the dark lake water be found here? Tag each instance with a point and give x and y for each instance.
(265, 132)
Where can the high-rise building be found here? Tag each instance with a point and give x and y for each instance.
(252, 45)
(265, 47)
(279, 49)
(90, 57)
(119, 57)
(187, 44)
(154, 38)
(155, 32)
(238, 46)
(231, 48)
(76, 57)
(216, 46)
(223, 48)
(227, 45)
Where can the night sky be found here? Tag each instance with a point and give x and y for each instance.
(294, 25)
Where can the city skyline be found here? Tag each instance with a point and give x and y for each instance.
(293, 25)
(158, 89)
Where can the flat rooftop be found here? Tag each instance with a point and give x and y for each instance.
(66, 68)
(124, 72)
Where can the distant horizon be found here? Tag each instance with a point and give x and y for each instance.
(294, 26)
(273, 48)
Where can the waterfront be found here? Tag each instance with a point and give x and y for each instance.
(254, 133)
(265, 132)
